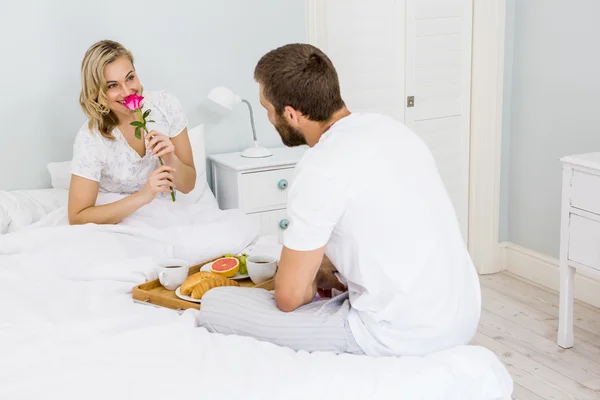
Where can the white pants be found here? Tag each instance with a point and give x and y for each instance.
(318, 326)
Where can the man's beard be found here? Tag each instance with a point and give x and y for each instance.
(290, 136)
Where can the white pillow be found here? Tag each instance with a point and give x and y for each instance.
(60, 172)
(196, 136)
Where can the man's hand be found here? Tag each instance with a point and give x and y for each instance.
(326, 280)
(327, 265)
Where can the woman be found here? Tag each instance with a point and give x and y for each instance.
(107, 157)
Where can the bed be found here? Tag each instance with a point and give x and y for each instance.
(70, 329)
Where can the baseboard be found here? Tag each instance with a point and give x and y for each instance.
(544, 271)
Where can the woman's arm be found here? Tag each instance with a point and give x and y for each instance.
(84, 192)
(176, 152)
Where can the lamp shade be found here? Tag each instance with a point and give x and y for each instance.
(227, 99)
(224, 97)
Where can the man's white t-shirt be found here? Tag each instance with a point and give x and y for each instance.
(370, 190)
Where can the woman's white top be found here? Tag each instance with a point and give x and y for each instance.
(114, 164)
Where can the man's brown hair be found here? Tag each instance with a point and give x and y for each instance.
(300, 76)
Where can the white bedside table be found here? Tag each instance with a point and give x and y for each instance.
(258, 186)
(579, 232)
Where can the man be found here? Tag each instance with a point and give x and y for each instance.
(368, 195)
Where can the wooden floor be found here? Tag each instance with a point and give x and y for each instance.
(519, 323)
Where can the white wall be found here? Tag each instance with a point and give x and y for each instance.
(184, 46)
(554, 111)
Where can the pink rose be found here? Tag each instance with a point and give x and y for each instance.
(133, 101)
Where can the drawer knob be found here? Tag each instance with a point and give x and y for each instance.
(284, 223)
(282, 184)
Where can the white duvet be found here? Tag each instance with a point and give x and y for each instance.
(70, 330)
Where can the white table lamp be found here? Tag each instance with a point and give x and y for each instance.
(226, 98)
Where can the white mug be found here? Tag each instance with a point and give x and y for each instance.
(261, 268)
(172, 273)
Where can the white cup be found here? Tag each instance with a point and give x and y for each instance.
(172, 273)
(261, 268)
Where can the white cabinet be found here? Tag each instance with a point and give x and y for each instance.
(580, 232)
(272, 223)
(387, 51)
(257, 186)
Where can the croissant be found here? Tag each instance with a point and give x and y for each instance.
(188, 285)
(206, 284)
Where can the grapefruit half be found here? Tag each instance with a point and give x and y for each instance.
(226, 266)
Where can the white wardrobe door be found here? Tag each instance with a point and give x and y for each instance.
(386, 50)
(438, 75)
(365, 41)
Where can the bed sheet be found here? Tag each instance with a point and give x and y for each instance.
(69, 328)
(19, 208)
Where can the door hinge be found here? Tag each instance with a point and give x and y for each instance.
(410, 101)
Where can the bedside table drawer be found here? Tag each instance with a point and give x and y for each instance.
(584, 241)
(265, 190)
(272, 223)
(585, 191)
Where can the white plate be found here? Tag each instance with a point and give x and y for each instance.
(206, 268)
(184, 297)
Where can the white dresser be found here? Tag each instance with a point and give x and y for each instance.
(580, 232)
(258, 186)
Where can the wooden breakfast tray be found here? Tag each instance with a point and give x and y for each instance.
(153, 293)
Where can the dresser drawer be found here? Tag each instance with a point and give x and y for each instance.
(265, 190)
(584, 241)
(272, 223)
(585, 191)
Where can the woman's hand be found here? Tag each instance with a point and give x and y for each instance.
(161, 146)
(159, 181)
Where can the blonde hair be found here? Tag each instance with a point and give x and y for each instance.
(93, 85)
